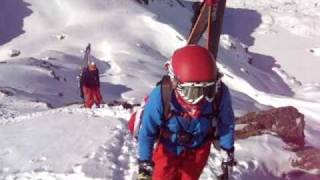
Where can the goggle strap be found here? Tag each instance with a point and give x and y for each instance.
(193, 84)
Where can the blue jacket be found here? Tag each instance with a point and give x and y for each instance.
(151, 124)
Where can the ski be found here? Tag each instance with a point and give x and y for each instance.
(84, 65)
(210, 17)
(199, 26)
(216, 27)
(86, 57)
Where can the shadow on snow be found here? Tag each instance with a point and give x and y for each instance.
(12, 14)
(241, 23)
(53, 80)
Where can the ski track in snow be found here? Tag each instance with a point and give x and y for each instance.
(117, 156)
(115, 159)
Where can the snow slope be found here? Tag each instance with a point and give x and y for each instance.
(69, 140)
(286, 32)
(130, 43)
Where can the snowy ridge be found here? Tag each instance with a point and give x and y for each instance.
(130, 43)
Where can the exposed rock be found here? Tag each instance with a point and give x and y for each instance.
(300, 174)
(14, 53)
(61, 36)
(124, 104)
(286, 122)
(143, 1)
(6, 91)
(308, 158)
(48, 58)
(42, 63)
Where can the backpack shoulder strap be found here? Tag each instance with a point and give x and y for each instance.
(217, 100)
(216, 110)
(166, 93)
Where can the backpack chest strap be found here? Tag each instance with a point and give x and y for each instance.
(183, 138)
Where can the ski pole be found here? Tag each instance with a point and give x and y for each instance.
(227, 168)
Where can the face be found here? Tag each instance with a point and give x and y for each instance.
(92, 67)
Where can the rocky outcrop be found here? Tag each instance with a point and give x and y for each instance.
(6, 91)
(308, 158)
(124, 104)
(143, 1)
(14, 52)
(286, 122)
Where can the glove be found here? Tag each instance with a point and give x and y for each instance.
(227, 163)
(228, 159)
(145, 170)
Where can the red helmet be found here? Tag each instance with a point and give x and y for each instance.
(194, 69)
(193, 63)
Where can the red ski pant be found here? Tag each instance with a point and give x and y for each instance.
(186, 166)
(91, 96)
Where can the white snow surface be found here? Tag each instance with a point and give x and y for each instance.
(283, 32)
(46, 134)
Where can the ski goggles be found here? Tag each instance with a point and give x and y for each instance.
(194, 92)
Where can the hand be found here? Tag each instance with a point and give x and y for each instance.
(227, 163)
(145, 170)
(229, 158)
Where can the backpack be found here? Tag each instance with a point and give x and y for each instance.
(134, 122)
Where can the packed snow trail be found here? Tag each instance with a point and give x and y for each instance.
(73, 143)
(70, 141)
